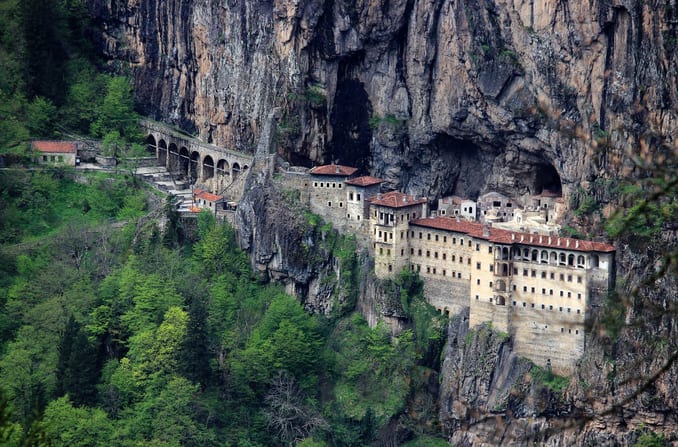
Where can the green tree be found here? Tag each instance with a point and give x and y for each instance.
(68, 426)
(77, 372)
(116, 113)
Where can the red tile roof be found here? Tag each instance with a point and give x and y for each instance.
(336, 170)
(500, 236)
(207, 196)
(396, 199)
(365, 180)
(62, 147)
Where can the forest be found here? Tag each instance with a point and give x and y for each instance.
(115, 332)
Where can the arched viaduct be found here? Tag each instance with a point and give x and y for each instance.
(198, 161)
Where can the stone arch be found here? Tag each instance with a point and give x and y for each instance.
(151, 146)
(162, 152)
(193, 165)
(207, 168)
(223, 168)
(535, 253)
(235, 169)
(504, 253)
(184, 160)
(526, 254)
(501, 301)
(554, 258)
(245, 167)
(544, 258)
(580, 261)
(570, 259)
(173, 153)
(562, 259)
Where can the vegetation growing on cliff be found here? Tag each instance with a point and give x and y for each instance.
(142, 344)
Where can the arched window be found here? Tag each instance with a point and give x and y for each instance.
(570, 260)
(501, 301)
(595, 261)
(535, 254)
(562, 259)
(553, 259)
(544, 257)
(580, 261)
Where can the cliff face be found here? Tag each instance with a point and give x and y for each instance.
(435, 96)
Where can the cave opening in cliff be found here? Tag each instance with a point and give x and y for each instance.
(351, 132)
(458, 167)
(547, 180)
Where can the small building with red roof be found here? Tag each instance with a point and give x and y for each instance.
(206, 200)
(327, 195)
(62, 153)
(359, 191)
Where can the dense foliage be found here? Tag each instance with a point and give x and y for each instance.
(51, 85)
(116, 334)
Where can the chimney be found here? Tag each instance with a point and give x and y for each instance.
(458, 219)
(531, 239)
(558, 242)
(522, 237)
(540, 238)
(549, 240)
(486, 230)
(513, 236)
(336, 169)
(576, 244)
(404, 198)
(378, 196)
(567, 242)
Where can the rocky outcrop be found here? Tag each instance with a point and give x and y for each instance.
(435, 96)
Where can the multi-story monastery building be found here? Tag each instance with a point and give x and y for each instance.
(539, 289)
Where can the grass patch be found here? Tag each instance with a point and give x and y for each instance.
(547, 379)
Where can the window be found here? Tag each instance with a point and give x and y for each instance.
(329, 204)
(444, 256)
(551, 292)
(543, 291)
(478, 281)
(514, 303)
(420, 235)
(542, 306)
(569, 278)
(533, 274)
(469, 243)
(428, 253)
(569, 294)
(454, 240)
(579, 296)
(553, 275)
(489, 249)
(477, 265)
(419, 252)
(411, 251)
(532, 289)
(543, 275)
(358, 197)
(388, 252)
(444, 238)
(578, 279)
(435, 255)
(476, 297)
(322, 185)
(428, 269)
(453, 258)
(436, 238)
(550, 307)
(560, 309)
(444, 272)
(381, 250)
(402, 235)
(490, 283)
(428, 236)
(390, 268)
(562, 277)
(492, 267)
(524, 288)
(434, 270)
(468, 261)
(402, 252)
(561, 293)
(477, 247)
(524, 272)
(578, 311)
(341, 204)
(459, 275)
(576, 331)
(350, 196)
(461, 259)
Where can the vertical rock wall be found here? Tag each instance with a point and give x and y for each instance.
(435, 96)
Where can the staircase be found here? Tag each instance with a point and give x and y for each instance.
(163, 180)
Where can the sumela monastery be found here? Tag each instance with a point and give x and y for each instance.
(502, 261)
(498, 257)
